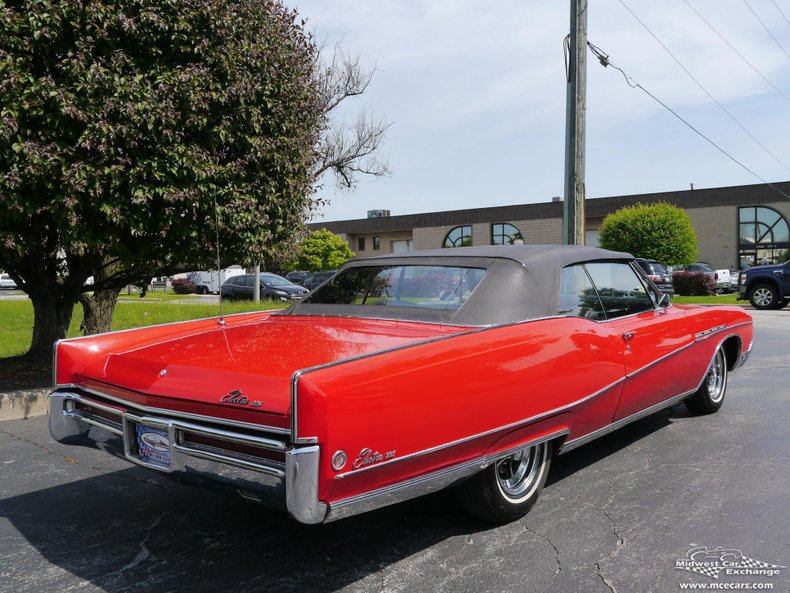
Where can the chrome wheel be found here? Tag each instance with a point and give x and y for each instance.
(710, 395)
(763, 297)
(519, 476)
(717, 377)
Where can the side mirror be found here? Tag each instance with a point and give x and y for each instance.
(663, 302)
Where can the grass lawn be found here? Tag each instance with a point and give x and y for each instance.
(16, 317)
(155, 295)
(716, 299)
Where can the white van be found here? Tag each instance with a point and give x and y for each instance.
(209, 281)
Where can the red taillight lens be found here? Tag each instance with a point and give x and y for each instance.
(655, 277)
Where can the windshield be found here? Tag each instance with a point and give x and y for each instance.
(426, 287)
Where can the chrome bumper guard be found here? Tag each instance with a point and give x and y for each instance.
(291, 484)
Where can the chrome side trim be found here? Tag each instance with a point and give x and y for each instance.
(424, 484)
(705, 332)
(516, 424)
(659, 360)
(577, 442)
(176, 414)
(301, 485)
(582, 440)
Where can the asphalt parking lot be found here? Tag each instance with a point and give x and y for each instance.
(616, 515)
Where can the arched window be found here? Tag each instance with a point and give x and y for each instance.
(460, 236)
(763, 236)
(504, 233)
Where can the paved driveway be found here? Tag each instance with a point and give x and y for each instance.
(616, 515)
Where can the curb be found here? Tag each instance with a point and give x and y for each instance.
(24, 403)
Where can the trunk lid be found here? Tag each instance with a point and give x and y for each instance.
(248, 366)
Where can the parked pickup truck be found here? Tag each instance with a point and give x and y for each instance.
(765, 287)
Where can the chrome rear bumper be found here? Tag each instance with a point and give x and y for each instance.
(269, 470)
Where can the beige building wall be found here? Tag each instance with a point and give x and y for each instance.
(534, 231)
(717, 235)
(385, 239)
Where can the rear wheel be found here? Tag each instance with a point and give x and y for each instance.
(507, 489)
(764, 296)
(710, 396)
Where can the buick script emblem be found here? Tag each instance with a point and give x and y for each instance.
(238, 398)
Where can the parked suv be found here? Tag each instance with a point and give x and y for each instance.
(657, 274)
(316, 278)
(765, 287)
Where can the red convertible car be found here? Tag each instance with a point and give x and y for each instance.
(401, 375)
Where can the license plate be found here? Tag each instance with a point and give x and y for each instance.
(153, 445)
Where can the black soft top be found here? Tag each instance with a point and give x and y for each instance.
(521, 281)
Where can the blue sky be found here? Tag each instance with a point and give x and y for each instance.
(475, 93)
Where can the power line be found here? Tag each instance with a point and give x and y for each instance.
(604, 60)
(706, 91)
(739, 54)
(767, 30)
(784, 16)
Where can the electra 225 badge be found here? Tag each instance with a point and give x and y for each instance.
(238, 398)
(369, 457)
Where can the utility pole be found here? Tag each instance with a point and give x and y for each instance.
(573, 206)
(256, 287)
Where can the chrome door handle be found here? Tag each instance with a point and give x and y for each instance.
(628, 336)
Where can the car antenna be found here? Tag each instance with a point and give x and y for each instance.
(219, 273)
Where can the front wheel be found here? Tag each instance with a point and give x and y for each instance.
(764, 296)
(507, 489)
(710, 396)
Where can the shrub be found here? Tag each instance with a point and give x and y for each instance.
(693, 284)
(654, 231)
(183, 286)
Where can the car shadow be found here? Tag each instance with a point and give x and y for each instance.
(586, 455)
(131, 530)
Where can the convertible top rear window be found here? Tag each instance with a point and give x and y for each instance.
(443, 288)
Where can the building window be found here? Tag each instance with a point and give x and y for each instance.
(460, 236)
(361, 244)
(505, 234)
(401, 246)
(376, 243)
(763, 236)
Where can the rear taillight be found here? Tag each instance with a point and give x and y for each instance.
(655, 277)
(716, 276)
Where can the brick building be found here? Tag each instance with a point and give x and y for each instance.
(735, 225)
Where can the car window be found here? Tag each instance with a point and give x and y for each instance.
(248, 281)
(620, 289)
(274, 280)
(429, 287)
(577, 295)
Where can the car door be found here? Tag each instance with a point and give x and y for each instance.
(654, 337)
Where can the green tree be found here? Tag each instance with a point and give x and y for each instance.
(661, 231)
(321, 250)
(123, 123)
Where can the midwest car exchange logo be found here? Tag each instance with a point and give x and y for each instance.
(730, 562)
